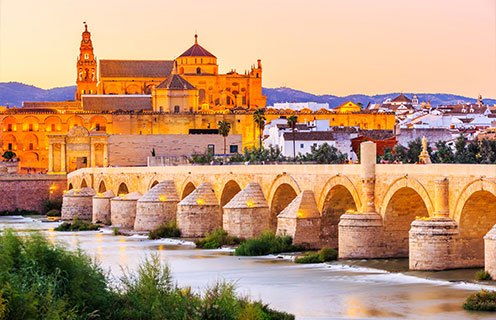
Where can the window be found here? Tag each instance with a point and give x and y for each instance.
(233, 148)
(9, 127)
(177, 109)
(31, 147)
(10, 146)
(301, 146)
(97, 127)
(211, 148)
(244, 100)
(86, 56)
(198, 70)
(161, 109)
(228, 100)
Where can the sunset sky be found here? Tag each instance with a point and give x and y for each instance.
(336, 47)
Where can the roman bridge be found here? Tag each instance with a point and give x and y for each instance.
(437, 214)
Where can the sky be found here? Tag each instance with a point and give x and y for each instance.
(335, 47)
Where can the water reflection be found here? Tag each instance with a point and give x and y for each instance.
(309, 291)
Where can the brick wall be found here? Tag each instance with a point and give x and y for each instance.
(30, 192)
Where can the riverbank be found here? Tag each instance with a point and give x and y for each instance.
(344, 289)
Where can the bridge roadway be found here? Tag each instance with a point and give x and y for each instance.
(454, 204)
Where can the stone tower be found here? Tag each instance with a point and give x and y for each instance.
(86, 67)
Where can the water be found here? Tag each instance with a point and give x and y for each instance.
(321, 291)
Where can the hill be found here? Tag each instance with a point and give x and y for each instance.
(14, 93)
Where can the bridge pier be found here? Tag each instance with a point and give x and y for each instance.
(199, 213)
(247, 215)
(301, 220)
(361, 234)
(157, 206)
(490, 252)
(433, 241)
(101, 207)
(123, 210)
(78, 203)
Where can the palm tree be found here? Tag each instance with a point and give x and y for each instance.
(259, 118)
(224, 128)
(292, 124)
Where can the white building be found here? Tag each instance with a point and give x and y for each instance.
(297, 106)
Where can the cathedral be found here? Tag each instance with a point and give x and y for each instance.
(189, 83)
(122, 107)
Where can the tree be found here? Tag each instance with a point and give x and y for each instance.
(224, 128)
(324, 154)
(444, 153)
(8, 155)
(292, 120)
(400, 153)
(259, 118)
(461, 153)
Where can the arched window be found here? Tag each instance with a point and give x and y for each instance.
(228, 100)
(177, 109)
(198, 70)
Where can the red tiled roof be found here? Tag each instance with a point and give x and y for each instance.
(309, 136)
(196, 51)
(136, 68)
(401, 98)
(176, 82)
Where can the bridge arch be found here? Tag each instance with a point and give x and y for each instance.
(230, 189)
(338, 196)
(282, 191)
(123, 189)
(84, 184)
(187, 187)
(102, 187)
(405, 200)
(475, 212)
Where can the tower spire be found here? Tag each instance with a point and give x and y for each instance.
(196, 38)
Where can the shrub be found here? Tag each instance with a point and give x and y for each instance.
(77, 225)
(52, 204)
(167, 230)
(323, 255)
(267, 243)
(40, 280)
(481, 301)
(216, 239)
(328, 254)
(116, 232)
(482, 275)
(309, 258)
(53, 213)
(18, 212)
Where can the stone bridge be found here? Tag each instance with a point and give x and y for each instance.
(436, 214)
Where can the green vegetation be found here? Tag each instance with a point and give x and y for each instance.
(18, 212)
(260, 119)
(291, 121)
(482, 275)
(323, 255)
(53, 213)
(77, 225)
(9, 155)
(51, 205)
(476, 151)
(116, 232)
(167, 230)
(324, 154)
(267, 243)
(40, 280)
(483, 300)
(217, 239)
(224, 128)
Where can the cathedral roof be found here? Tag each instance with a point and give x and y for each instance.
(136, 68)
(176, 82)
(116, 102)
(196, 51)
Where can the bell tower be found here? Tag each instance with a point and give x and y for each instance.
(86, 67)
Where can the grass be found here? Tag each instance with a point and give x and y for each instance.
(77, 225)
(267, 243)
(483, 300)
(217, 239)
(323, 255)
(40, 280)
(167, 230)
(482, 275)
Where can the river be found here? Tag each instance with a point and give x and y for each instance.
(354, 289)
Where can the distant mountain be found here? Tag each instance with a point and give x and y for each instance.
(14, 93)
(291, 95)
